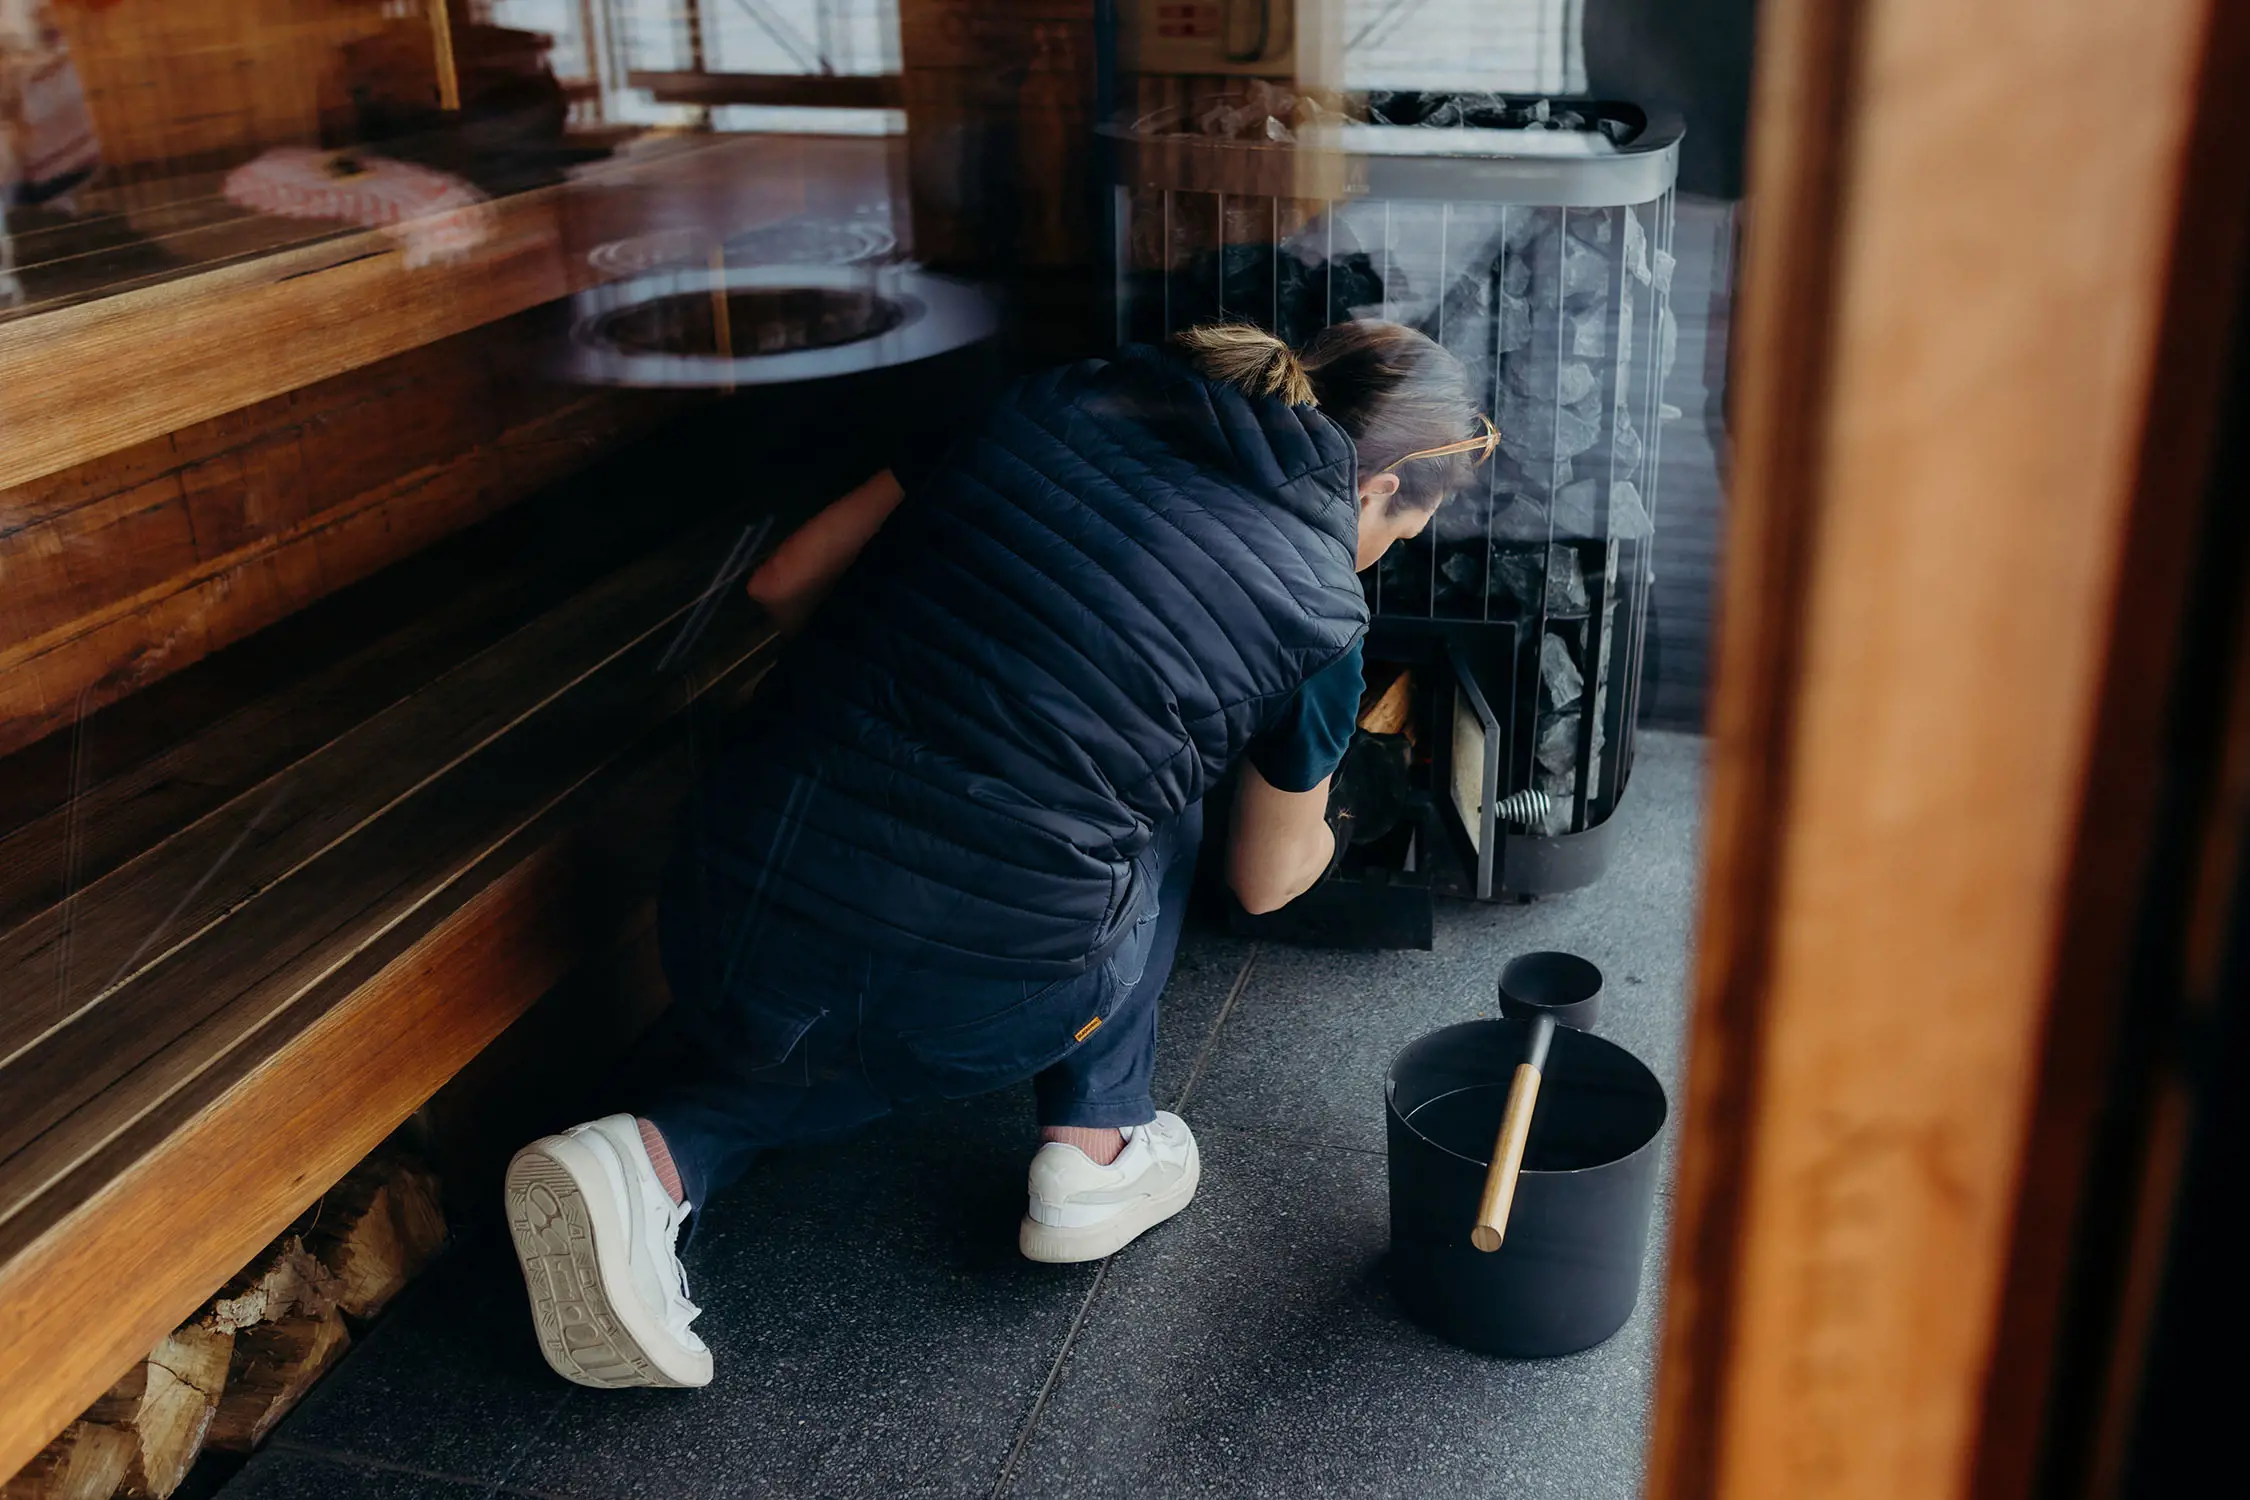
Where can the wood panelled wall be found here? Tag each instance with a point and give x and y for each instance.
(206, 81)
(127, 567)
(999, 100)
(1951, 612)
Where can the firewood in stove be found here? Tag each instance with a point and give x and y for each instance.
(274, 1365)
(87, 1462)
(1390, 709)
(165, 1404)
(376, 1230)
(284, 1280)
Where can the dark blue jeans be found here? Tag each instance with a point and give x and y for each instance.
(781, 1033)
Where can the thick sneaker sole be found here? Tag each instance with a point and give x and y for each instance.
(1054, 1245)
(560, 1214)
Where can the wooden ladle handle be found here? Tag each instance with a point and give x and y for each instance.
(1507, 1150)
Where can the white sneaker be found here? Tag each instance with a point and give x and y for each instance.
(1081, 1210)
(595, 1231)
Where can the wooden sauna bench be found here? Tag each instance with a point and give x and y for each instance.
(303, 881)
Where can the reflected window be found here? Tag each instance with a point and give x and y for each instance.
(1509, 46)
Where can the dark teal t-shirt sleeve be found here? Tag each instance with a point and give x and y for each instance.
(1306, 743)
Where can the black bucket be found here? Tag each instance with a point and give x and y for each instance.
(1569, 1272)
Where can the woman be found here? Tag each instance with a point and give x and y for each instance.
(950, 847)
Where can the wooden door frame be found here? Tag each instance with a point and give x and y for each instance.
(1964, 507)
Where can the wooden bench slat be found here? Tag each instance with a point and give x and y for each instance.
(126, 813)
(529, 557)
(90, 1078)
(54, 965)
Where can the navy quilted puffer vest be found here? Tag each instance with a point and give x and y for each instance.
(1060, 639)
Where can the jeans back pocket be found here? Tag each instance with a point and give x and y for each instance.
(1016, 1030)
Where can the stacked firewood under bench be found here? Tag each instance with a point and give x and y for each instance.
(224, 1378)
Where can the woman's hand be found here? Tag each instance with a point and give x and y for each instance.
(1281, 845)
(791, 583)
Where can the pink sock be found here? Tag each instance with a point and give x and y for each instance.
(1101, 1146)
(660, 1157)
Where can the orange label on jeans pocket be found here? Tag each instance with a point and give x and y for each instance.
(1088, 1029)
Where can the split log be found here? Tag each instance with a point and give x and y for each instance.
(165, 1404)
(376, 1230)
(274, 1365)
(1391, 709)
(285, 1279)
(88, 1462)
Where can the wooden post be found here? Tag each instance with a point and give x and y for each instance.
(1962, 511)
(590, 29)
(441, 42)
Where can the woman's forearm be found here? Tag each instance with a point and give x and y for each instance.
(792, 583)
(1281, 843)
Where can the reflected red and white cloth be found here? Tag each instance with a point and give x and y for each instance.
(435, 215)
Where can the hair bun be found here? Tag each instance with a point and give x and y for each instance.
(1250, 359)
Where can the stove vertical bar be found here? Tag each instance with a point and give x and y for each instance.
(1596, 793)
(1390, 272)
(1667, 213)
(1327, 315)
(1328, 306)
(1220, 270)
(1121, 249)
(1498, 277)
(1168, 248)
(1661, 216)
(1661, 238)
(1445, 226)
(1444, 257)
(1273, 263)
(1556, 463)
(1499, 752)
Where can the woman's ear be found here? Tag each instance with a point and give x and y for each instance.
(1377, 488)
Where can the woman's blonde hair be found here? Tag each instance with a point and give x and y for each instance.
(1402, 396)
(1250, 359)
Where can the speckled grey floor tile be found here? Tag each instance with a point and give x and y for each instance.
(877, 1334)
(1203, 976)
(1251, 1347)
(875, 1331)
(449, 1380)
(1303, 1052)
(286, 1474)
